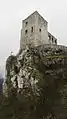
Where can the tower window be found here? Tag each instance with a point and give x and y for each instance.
(55, 41)
(26, 22)
(49, 37)
(26, 31)
(52, 39)
(40, 30)
(31, 29)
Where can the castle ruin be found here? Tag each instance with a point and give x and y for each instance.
(35, 31)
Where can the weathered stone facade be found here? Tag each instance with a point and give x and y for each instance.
(35, 31)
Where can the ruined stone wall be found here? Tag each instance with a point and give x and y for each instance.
(54, 46)
(34, 31)
(52, 39)
(41, 35)
(27, 36)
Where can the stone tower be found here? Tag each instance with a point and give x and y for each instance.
(35, 31)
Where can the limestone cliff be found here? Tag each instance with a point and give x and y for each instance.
(41, 72)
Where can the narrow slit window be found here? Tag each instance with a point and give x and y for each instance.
(26, 22)
(52, 39)
(31, 29)
(40, 30)
(55, 41)
(49, 37)
(26, 31)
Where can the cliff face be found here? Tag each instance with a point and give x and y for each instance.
(40, 74)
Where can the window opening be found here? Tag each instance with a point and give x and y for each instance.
(26, 22)
(26, 31)
(49, 37)
(52, 39)
(55, 42)
(31, 29)
(40, 30)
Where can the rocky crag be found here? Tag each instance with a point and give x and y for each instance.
(40, 75)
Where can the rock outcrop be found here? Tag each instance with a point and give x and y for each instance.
(1, 87)
(41, 72)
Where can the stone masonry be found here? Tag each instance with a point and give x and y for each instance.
(35, 31)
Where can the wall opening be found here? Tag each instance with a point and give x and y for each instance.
(49, 37)
(26, 31)
(40, 29)
(31, 29)
(52, 40)
(26, 22)
(55, 41)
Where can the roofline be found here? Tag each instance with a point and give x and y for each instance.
(52, 35)
(34, 13)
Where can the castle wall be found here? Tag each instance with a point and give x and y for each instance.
(52, 39)
(53, 46)
(27, 37)
(41, 35)
(35, 31)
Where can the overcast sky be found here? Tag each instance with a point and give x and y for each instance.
(12, 12)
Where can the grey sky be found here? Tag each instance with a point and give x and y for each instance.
(12, 12)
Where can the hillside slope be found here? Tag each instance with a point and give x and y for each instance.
(39, 76)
